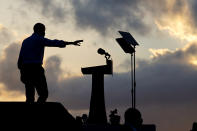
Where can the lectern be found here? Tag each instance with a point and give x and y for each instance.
(97, 112)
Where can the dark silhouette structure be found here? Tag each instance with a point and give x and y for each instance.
(79, 122)
(148, 127)
(53, 116)
(97, 112)
(133, 119)
(194, 127)
(114, 118)
(30, 62)
(25, 116)
(133, 122)
(84, 119)
(128, 44)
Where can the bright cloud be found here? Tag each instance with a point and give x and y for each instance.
(178, 20)
(158, 52)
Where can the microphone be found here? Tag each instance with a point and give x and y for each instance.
(103, 52)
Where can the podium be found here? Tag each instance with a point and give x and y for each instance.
(97, 112)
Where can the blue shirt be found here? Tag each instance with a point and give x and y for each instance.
(32, 49)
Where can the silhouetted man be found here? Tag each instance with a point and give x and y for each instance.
(133, 120)
(30, 62)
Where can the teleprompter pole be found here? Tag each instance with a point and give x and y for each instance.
(132, 89)
(134, 83)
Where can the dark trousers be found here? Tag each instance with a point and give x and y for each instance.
(32, 75)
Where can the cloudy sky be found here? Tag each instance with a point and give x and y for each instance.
(166, 58)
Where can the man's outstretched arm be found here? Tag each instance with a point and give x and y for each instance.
(77, 42)
(60, 43)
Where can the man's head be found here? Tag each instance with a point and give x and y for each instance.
(39, 28)
(133, 117)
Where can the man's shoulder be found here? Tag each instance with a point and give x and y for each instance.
(27, 38)
(33, 37)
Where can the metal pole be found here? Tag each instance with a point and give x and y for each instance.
(132, 90)
(134, 82)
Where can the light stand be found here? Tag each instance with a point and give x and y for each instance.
(133, 80)
(128, 44)
(134, 86)
(132, 83)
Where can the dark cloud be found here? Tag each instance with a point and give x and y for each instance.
(67, 90)
(193, 8)
(9, 74)
(6, 36)
(179, 5)
(100, 15)
(51, 9)
(170, 80)
(104, 15)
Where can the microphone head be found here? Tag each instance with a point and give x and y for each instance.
(101, 51)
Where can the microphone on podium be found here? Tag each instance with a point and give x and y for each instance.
(103, 52)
